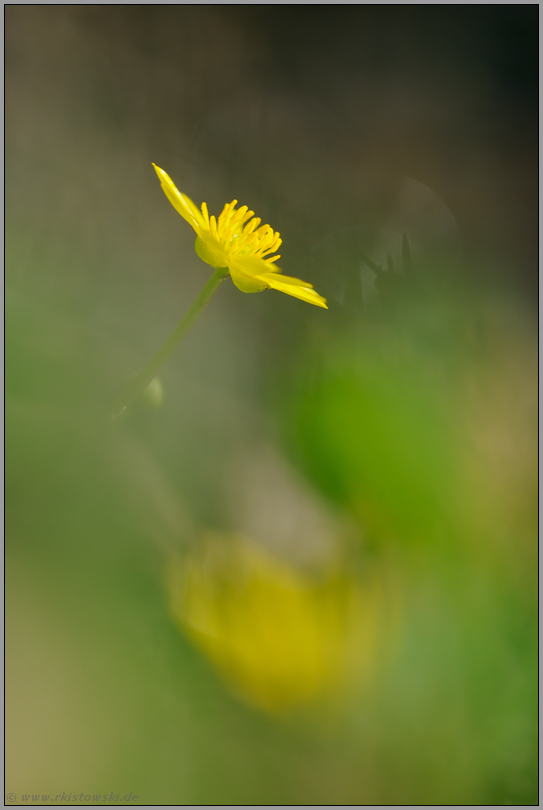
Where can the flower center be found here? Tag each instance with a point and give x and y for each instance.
(238, 232)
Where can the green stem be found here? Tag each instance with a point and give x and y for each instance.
(120, 407)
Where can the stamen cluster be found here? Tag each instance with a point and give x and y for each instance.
(239, 233)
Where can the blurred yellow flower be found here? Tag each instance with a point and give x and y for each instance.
(279, 638)
(235, 241)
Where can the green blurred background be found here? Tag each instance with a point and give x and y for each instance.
(392, 437)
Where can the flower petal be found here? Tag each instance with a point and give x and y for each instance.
(182, 204)
(295, 287)
(252, 274)
(210, 251)
(243, 278)
(276, 275)
(250, 265)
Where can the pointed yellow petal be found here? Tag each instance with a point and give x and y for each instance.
(182, 204)
(295, 287)
(276, 275)
(252, 274)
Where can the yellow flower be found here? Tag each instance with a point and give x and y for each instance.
(235, 241)
(280, 639)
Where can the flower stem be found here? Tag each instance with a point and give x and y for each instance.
(120, 406)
